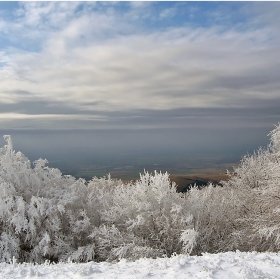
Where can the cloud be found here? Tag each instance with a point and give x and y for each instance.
(91, 54)
(167, 13)
(46, 14)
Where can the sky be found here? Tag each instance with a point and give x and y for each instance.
(139, 76)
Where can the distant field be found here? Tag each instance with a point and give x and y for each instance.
(184, 181)
(183, 169)
(183, 176)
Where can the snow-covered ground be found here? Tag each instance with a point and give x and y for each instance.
(223, 265)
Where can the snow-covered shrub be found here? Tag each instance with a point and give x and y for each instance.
(244, 213)
(45, 215)
(40, 210)
(215, 210)
(256, 182)
(143, 219)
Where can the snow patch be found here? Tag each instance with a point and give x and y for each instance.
(229, 265)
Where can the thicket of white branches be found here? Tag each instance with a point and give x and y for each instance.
(45, 215)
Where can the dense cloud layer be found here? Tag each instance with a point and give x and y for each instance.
(139, 65)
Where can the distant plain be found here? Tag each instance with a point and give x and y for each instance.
(184, 170)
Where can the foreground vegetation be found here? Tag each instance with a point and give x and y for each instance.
(47, 216)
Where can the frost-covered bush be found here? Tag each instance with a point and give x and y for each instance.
(45, 215)
(244, 213)
(147, 218)
(256, 182)
(215, 210)
(38, 208)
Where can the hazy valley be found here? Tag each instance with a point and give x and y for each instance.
(184, 170)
